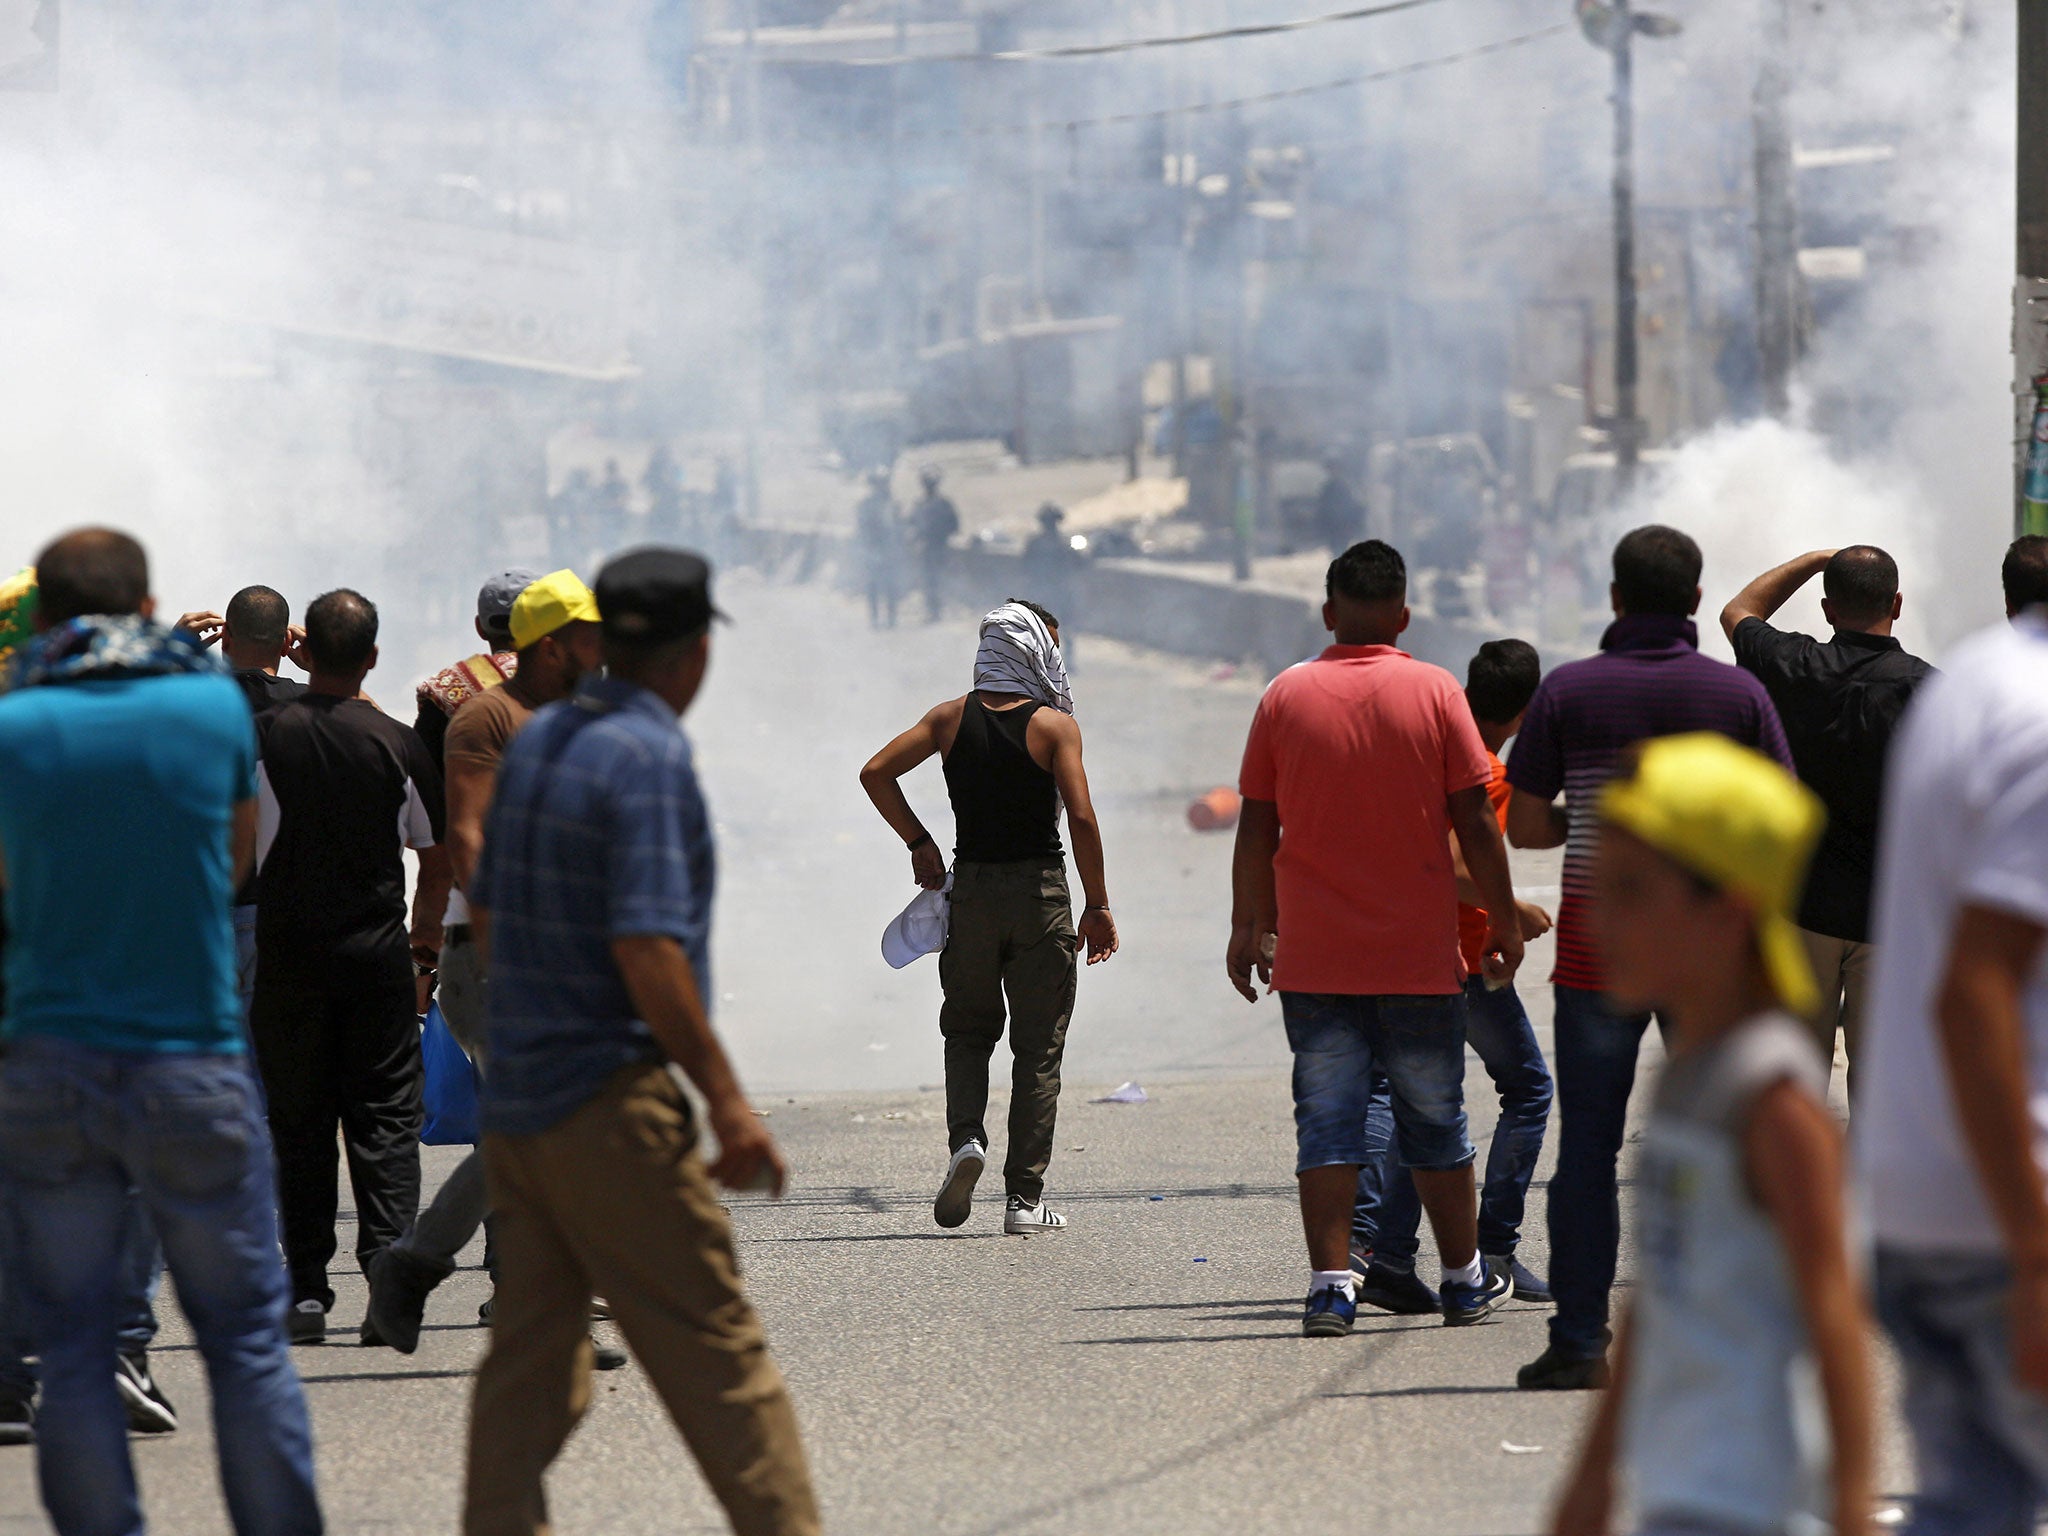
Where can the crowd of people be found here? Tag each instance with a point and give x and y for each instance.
(1827, 840)
(183, 1072)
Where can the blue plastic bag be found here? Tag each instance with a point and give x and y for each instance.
(449, 1093)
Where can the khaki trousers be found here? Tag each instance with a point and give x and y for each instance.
(1010, 938)
(1842, 967)
(615, 1200)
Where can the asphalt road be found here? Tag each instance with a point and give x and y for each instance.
(1141, 1372)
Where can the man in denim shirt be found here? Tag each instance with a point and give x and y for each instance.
(592, 903)
(127, 818)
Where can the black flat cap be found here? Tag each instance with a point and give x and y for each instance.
(655, 594)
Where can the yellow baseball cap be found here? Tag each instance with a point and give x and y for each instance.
(547, 604)
(1735, 818)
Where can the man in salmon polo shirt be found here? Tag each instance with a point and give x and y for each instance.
(1360, 767)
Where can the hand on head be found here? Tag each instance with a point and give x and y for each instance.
(204, 626)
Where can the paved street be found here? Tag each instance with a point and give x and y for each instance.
(1139, 1373)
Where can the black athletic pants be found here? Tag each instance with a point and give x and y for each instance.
(339, 1052)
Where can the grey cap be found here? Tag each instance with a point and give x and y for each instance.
(495, 599)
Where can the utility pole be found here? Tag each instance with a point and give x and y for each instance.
(756, 403)
(1627, 429)
(1614, 27)
(2030, 289)
(1243, 424)
(1780, 299)
(896, 301)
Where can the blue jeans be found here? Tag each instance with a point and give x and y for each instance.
(142, 1265)
(1980, 1440)
(1595, 1062)
(1389, 1215)
(85, 1137)
(1342, 1043)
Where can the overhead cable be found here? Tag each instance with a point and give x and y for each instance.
(1135, 44)
(1195, 108)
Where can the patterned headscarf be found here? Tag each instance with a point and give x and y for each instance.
(1018, 656)
(96, 646)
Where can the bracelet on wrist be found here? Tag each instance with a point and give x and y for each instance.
(1099, 906)
(919, 842)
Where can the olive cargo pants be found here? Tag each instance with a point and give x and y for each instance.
(615, 1200)
(1011, 935)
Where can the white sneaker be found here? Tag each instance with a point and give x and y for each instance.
(1021, 1220)
(956, 1196)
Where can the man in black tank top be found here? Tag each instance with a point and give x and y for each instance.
(1012, 754)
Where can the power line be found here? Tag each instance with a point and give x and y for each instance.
(1197, 108)
(1133, 45)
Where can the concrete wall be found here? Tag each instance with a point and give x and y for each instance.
(1141, 602)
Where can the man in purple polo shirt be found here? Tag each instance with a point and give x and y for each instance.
(1648, 680)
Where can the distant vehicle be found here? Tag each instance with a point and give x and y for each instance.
(1578, 528)
(1584, 493)
(1432, 497)
(1292, 484)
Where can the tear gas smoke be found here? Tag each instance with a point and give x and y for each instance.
(1903, 418)
(321, 302)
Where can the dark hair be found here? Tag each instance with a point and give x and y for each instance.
(1369, 572)
(2025, 572)
(1501, 680)
(341, 631)
(94, 570)
(259, 616)
(1657, 570)
(1045, 615)
(1861, 582)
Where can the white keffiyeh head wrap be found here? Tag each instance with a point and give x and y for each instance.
(1018, 656)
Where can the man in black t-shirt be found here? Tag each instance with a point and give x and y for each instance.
(342, 791)
(254, 637)
(1010, 956)
(1840, 701)
(257, 635)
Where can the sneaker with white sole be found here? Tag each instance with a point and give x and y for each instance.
(149, 1411)
(956, 1196)
(1465, 1304)
(1021, 1219)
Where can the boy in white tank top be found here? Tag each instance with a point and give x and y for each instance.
(1741, 1396)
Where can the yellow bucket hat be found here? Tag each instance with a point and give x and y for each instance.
(546, 605)
(1735, 818)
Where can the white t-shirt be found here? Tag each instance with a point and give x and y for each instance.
(1965, 823)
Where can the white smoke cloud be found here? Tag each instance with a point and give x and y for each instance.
(1919, 460)
(1757, 494)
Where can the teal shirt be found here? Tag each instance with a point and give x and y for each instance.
(116, 804)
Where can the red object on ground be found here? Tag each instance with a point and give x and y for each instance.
(1216, 811)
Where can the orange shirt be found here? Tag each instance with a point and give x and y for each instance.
(1360, 749)
(1472, 920)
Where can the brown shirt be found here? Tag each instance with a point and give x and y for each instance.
(483, 726)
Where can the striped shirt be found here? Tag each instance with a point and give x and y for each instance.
(1648, 680)
(597, 831)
